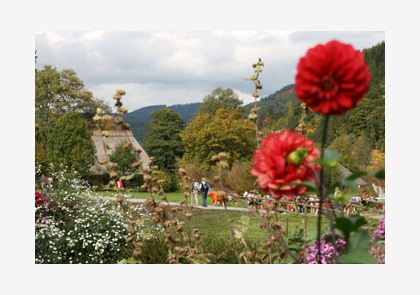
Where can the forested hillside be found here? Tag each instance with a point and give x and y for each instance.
(138, 119)
(361, 128)
(359, 132)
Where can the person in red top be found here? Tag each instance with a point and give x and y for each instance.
(364, 198)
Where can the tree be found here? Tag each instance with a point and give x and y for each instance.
(219, 98)
(344, 145)
(59, 92)
(70, 143)
(225, 131)
(124, 158)
(162, 140)
(55, 94)
(362, 151)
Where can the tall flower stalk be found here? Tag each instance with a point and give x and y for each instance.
(331, 78)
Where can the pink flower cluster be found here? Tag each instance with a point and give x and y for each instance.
(327, 253)
(379, 233)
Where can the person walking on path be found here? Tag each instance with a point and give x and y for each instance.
(204, 187)
(195, 187)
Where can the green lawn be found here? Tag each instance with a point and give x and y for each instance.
(220, 222)
(172, 197)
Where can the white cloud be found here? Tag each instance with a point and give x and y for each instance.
(182, 67)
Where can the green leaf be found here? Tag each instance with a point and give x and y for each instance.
(358, 241)
(379, 174)
(128, 177)
(357, 257)
(329, 158)
(356, 175)
(349, 224)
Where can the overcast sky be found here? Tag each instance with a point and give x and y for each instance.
(180, 67)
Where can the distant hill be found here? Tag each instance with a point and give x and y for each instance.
(139, 118)
(368, 117)
(273, 105)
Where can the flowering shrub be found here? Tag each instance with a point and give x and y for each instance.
(378, 248)
(379, 233)
(73, 227)
(329, 253)
(283, 161)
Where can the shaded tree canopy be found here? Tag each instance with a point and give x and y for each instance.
(219, 98)
(124, 157)
(56, 93)
(162, 140)
(71, 144)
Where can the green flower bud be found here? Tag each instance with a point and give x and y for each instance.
(296, 157)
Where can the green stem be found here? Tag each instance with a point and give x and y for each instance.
(321, 190)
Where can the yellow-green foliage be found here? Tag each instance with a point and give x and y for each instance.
(226, 131)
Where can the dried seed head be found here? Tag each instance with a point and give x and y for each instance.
(127, 145)
(129, 239)
(121, 92)
(215, 158)
(252, 116)
(254, 110)
(188, 215)
(135, 164)
(103, 161)
(149, 201)
(131, 230)
(112, 165)
(224, 164)
(147, 177)
(255, 94)
(159, 210)
(117, 96)
(123, 110)
(276, 225)
(113, 174)
(136, 253)
(223, 155)
(155, 219)
(118, 120)
(182, 202)
(126, 126)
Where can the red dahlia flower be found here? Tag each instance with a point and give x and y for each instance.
(285, 157)
(332, 78)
